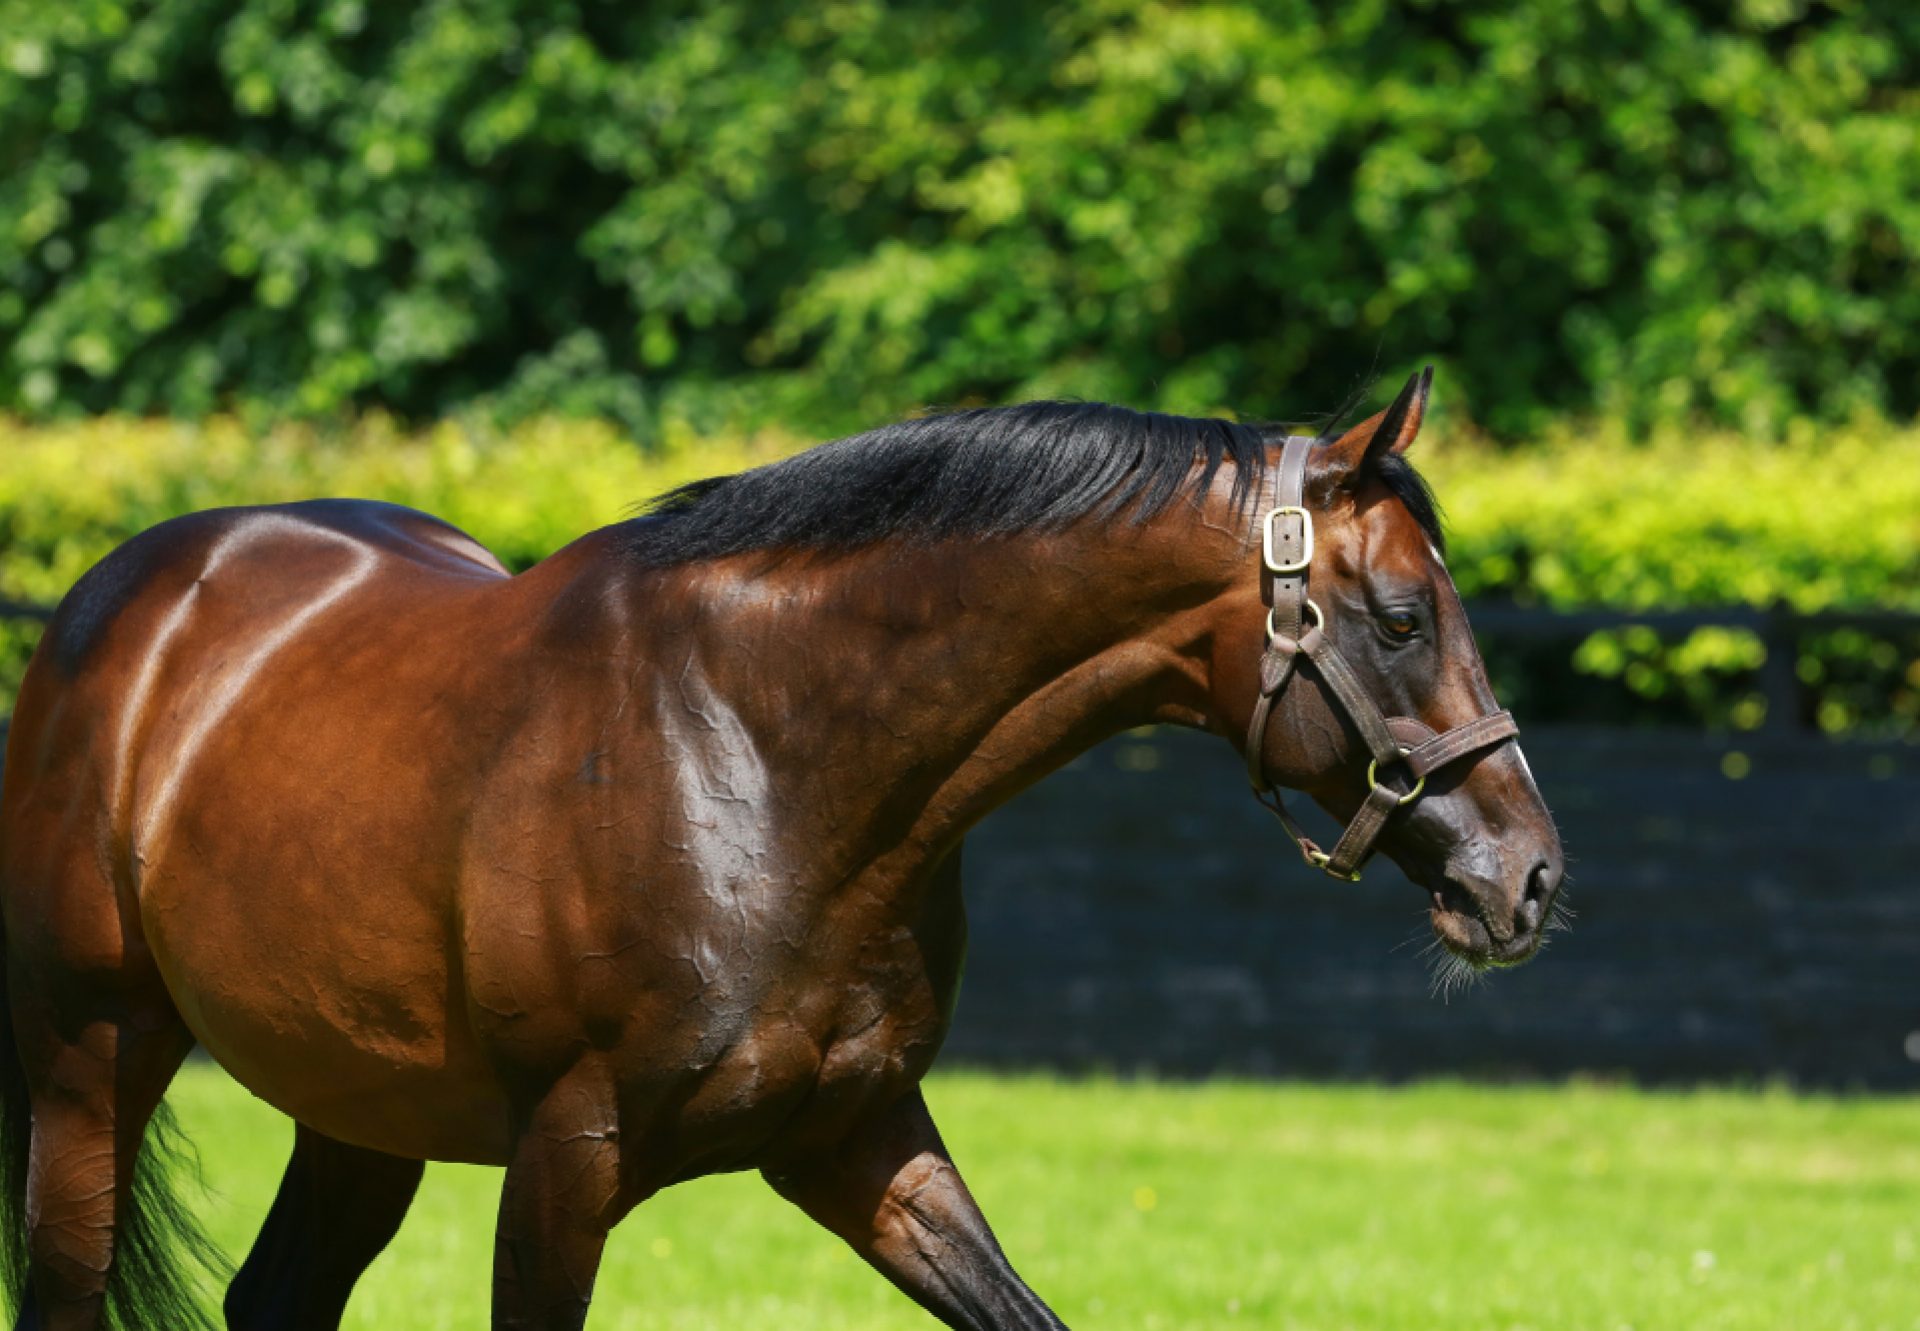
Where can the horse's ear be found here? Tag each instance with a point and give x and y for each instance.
(1389, 431)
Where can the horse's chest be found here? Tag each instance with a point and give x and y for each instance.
(780, 1096)
(840, 1037)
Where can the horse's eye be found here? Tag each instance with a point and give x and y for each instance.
(1398, 626)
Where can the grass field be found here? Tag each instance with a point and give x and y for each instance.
(1155, 1206)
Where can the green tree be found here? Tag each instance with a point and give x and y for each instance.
(831, 212)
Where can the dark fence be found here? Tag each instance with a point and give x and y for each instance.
(1138, 911)
(1747, 908)
(1781, 631)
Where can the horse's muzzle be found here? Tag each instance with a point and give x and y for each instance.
(1488, 923)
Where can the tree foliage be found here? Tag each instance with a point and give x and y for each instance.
(836, 210)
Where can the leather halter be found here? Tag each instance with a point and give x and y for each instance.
(1286, 537)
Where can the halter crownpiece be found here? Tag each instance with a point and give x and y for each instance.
(1295, 629)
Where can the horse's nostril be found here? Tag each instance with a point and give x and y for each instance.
(1542, 881)
(1528, 916)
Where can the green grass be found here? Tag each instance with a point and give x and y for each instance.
(1237, 1205)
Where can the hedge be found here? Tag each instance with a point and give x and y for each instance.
(1584, 518)
(1829, 519)
(826, 213)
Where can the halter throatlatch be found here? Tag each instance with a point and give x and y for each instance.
(1296, 629)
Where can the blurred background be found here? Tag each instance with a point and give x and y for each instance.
(523, 264)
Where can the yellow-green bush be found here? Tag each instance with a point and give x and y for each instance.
(69, 493)
(1585, 517)
(1588, 516)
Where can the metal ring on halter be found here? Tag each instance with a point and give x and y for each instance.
(1319, 620)
(1319, 860)
(1373, 781)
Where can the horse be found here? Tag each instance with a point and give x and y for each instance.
(644, 863)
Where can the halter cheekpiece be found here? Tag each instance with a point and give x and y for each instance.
(1296, 629)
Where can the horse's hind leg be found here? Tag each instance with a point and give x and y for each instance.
(93, 1086)
(337, 1208)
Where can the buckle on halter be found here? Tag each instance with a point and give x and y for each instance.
(1267, 541)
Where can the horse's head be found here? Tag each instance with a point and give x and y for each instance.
(1372, 689)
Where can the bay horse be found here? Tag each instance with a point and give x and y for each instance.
(644, 864)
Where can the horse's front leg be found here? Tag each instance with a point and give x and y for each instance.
(563, 1193)
(892, 1192)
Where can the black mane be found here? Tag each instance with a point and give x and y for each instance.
(992, 471)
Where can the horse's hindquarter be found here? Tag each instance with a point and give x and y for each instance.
(299, 739)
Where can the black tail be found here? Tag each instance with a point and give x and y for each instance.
(164, 1263)
(162, 1258)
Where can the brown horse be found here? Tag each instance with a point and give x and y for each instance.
(644, 864)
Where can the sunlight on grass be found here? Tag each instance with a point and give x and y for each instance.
(1234, 1205)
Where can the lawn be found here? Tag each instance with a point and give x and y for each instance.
(1245, 1205)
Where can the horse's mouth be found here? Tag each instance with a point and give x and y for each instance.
(1458, 924)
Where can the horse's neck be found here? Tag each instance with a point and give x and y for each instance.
(895, 697)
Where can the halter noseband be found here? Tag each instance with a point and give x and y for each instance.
(1286, 540)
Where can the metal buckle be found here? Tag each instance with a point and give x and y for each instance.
(1373, 780)
(1306, 540)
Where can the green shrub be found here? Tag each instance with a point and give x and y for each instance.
(831, 212)
(1585, 518)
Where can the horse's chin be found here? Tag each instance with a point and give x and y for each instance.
(1464, 935)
